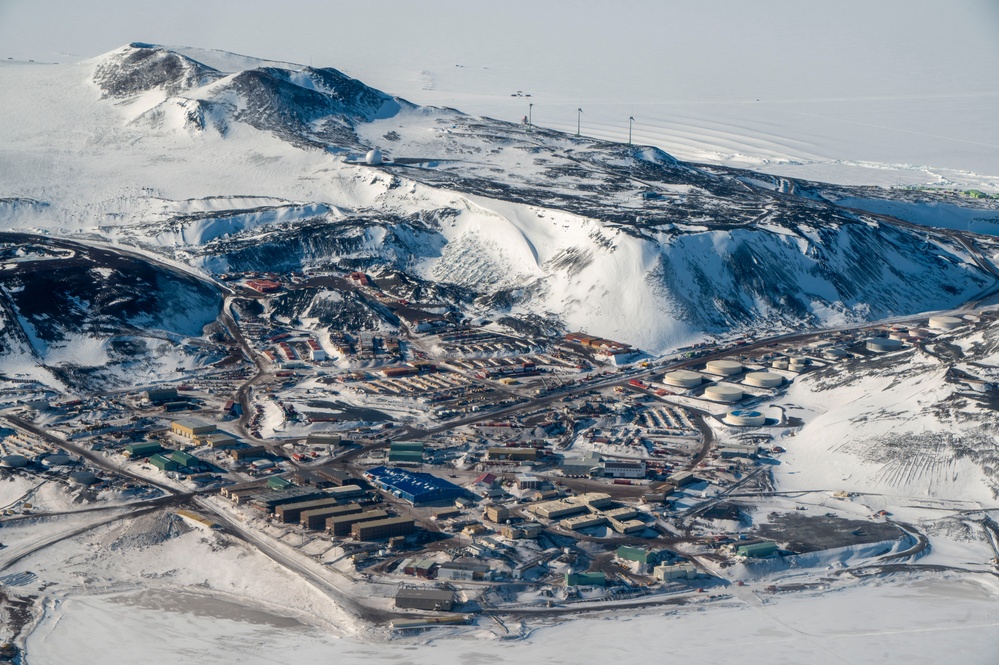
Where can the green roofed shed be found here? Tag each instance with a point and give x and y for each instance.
(278, 483)
(144, 449)
(757, 550)
(163, 463)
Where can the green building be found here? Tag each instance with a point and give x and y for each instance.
(278, 483)
(185, 459)
(757, 550)
(144, 449)
(406, 452)
(639, 554)
(164, 463)
(585, 579)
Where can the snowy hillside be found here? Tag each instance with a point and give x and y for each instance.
(84, 319)
(918, 423)
(230, 163)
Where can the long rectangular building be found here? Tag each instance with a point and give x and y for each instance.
(316, 518)
(417, 488)
(341, 525)
(384, 528)
(291, 513)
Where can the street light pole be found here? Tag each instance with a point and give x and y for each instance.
(631, 120)
(579, 117)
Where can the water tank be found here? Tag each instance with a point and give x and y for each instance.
(745, 418)
(883, 344)
(57, 460)
(374, 157)
(945, 322)
(724, 367)
(83, 477)
(763, 379)
(683, 379)
(13, 461)
(722, 393)
(798, 364)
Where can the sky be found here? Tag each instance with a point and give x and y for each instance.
(922, 70)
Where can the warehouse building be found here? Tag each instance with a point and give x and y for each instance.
(269, 500)
(465, 570)
(525, 530)
(497, 514)
(249, 452)
(757, 550)
(640, 555)
(144, 449)
(341, 525)
(316, 518)
(435, 600)
(278, 483)
(416, 488)
(291, 513)
(554, 510)
(512, 454)
(680, 571)
(582, 522)
(161, 395)
(216, 440)
(734, 450)
(324, 439)
(185, 459)
(163, 463)
(406, 452)
(581, 466)
(585, 579)
(384, 528)
(189, 429)
(527, 481)
(624, 469)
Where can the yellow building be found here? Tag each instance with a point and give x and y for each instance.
(189, 429)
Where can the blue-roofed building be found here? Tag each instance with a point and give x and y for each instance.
(414, 487)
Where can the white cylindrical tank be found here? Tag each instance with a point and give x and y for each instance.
(83, 477)
(798, 364)
(57, 459)
(13, 461)
(374, 157)
(835, 354)
(883, 344)
(722, 393)
(724, 367)
(745, 418)
(683, 379)
(945, 322)
(779, 364)
(763, 379)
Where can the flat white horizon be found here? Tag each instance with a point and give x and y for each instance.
(879, 93)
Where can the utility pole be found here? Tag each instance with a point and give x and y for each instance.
(579, 117)
(631, 119)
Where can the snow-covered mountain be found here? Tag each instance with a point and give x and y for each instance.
(230, 163)
(84, 318)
